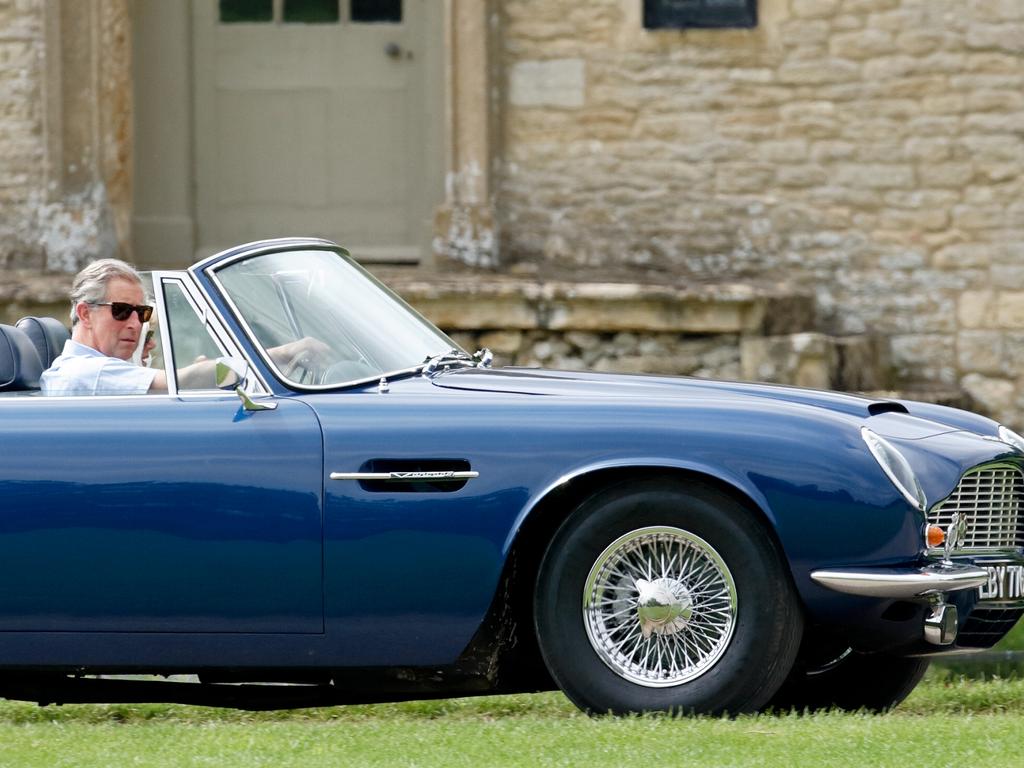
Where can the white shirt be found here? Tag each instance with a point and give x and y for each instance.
(82, 370)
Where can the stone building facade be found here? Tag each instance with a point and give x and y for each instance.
(867, 153)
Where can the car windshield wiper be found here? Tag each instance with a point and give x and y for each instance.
(455, 357)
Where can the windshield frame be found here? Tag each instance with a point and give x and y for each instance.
(211, 266)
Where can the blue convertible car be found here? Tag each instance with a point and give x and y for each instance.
(390, 517)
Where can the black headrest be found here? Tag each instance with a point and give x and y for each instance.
(48, 334)
(19, 364)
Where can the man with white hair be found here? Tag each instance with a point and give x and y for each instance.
(107, 315)
(108, 310)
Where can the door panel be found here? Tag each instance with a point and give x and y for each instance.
(265, 125)
(366, 153)
(411, 567)
(158, 514)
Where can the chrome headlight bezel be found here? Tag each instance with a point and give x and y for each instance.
(896, 468)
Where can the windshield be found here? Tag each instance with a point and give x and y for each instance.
(321, 320)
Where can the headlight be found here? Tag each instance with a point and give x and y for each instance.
(1012, 439)
(895, 467)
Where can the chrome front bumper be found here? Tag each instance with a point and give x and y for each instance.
(930, 582)
(902, 583)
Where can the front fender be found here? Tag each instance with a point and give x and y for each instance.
(637, 463)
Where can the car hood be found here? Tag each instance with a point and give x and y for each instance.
(576, 384)
(580, 384)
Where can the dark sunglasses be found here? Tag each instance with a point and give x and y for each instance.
(121, 310)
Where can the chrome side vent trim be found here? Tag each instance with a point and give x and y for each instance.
(406, 477)
(427, 475)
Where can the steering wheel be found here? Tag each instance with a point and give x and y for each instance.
(345, 370)
(305, 371)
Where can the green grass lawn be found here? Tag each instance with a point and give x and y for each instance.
(944, 723)
(1014, 641)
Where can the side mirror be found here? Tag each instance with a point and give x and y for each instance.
(231, 372)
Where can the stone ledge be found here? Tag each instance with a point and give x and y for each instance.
(501, 303)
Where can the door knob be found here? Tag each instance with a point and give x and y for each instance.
(393, 50)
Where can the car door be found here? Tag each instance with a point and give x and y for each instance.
(161, 513)
(418, 516)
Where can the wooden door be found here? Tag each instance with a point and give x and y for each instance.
(317, 117)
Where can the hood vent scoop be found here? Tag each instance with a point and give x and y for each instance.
(886, 407)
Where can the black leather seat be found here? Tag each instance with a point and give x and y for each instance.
(20, 366)
(48, 334)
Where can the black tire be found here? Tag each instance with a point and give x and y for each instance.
(851, 682)
(730, 606)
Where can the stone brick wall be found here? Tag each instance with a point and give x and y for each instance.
(22, 150)
(870, 151)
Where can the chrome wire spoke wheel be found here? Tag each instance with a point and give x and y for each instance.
(659, 606)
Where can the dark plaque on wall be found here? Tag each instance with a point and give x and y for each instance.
(677, 14)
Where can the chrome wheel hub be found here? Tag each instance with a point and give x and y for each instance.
(659, 606)
(663, 606)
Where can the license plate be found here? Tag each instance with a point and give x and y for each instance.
(1005, 582)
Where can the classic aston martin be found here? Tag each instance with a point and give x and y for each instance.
(391, 517)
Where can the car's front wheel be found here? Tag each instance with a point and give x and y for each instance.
(664, 596)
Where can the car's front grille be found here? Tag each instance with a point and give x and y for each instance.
(990, 498)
